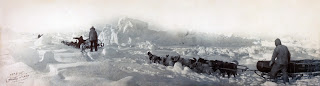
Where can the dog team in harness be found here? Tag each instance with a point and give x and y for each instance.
(199, 65)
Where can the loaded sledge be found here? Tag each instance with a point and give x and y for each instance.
(296, 68)
(79, 40)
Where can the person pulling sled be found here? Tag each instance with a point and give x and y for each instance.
(280, 61)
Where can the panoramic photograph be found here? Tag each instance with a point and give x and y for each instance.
(159, 43)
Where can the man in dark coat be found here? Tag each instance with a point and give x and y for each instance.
(282, 54)
(93, 37)
(80, 41)
(39, 35)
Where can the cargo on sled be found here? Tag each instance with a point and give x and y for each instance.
(296, 68)
(86, 43)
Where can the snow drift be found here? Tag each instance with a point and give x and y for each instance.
(43, 40)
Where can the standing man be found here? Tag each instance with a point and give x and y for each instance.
(280, 61)
(93, 37)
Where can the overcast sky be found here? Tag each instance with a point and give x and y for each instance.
(255, 16)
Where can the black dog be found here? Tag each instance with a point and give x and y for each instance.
(229, 69)
(215, 64)
(198, 66)
(175, 58)
(154, 58)
(164, 60)
(233, 72)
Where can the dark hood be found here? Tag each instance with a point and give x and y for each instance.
(92, 28)
(277, 42)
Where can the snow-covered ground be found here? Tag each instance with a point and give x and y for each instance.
(28, 61)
